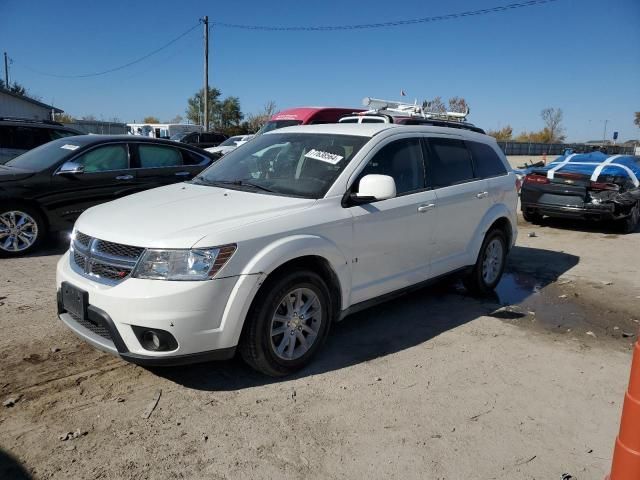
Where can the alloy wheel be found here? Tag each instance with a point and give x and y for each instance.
(492, 262)
(295, 324)
(18, 231)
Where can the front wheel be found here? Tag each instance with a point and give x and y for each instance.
(287, 323)
(22, 229)
(490, 264)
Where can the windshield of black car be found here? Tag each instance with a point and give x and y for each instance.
(230, 142)
(178, 136)
(295, 164)
(275, 124)
(45, 156)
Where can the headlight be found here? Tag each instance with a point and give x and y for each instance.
(196, 264)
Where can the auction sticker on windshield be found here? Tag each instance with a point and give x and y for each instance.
(328, 157)
(68, 146)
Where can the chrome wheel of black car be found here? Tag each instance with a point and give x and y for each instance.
(18, 231)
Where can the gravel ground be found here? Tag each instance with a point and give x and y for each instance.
(527, 384)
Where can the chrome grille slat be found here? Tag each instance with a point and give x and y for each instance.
(103, 260)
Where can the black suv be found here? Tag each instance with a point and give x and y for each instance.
(47, 188)
(18, 135)
(202, 140)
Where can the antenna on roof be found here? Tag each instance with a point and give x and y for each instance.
(377, 105)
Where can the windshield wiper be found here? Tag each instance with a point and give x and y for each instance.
(236, 183)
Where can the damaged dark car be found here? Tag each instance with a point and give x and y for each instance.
(592, 186)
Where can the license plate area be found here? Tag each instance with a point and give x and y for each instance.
(74, 300)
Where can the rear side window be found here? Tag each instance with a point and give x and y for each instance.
(192, 158)
(154, 156)
(486, 160)
(451, 162)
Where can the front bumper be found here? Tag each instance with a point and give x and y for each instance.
(204, 317)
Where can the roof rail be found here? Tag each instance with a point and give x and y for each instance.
(410, 109)
(29, 120)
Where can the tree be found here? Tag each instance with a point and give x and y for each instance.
(434, 106)
(255, 121)
(458, 104)
(228, 114)
(176, 119)
(150, 119)
(195, 106)
(637, 119)
(502, 135)
(15, 88)
(64, 118)
(553, 131)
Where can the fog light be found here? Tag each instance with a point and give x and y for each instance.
(154, 339)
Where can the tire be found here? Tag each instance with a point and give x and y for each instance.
(486, 273)
(532, 217)
(22, 229)
(630, 224)
(273, 323)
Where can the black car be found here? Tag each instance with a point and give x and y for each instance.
(202, 140)
(47, 188)
(19, 135)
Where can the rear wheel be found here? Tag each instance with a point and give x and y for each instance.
(22, 229)
(630, 224)
(490, 264)
(532, 217)
(287, 324)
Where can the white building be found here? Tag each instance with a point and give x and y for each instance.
(14, 105)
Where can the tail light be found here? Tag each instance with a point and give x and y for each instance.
(603, 186)
(536, 178)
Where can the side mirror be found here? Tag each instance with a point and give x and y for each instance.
(71, 168)
(374, 187)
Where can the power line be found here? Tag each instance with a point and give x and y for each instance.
(397, 23)
(115, 69)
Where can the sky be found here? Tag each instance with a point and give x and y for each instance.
(582, 56)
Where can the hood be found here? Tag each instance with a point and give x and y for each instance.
(8, 174)
(179, 215)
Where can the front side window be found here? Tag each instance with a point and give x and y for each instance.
(451, 162)
(155, 156)
(486, 160)
(104, 159)
(295, 164)
(402, 160)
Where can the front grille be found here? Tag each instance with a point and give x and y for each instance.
(104, 260)
(97, 329)
(118, 249)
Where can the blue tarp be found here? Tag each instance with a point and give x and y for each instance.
(586, 164)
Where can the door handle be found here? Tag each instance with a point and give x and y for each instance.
(482, 195)
(124, 177)
(426, 208)
(182, 174)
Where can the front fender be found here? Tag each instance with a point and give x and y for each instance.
(496, 212)
(286, 249)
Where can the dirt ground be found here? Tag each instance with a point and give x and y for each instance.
(524, 385)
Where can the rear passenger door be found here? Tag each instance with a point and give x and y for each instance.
(489, 165)
(461, 202)
(158, 165)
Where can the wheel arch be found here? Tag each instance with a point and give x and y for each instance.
(499, 216)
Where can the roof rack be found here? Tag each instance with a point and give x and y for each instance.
(29, 120)
(410, 109)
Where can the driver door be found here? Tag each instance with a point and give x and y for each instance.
(391, 238)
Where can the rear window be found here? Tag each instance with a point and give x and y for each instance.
(451, 163)
(486, 160)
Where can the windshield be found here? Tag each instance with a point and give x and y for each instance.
(230, 142)
(45, 156)
(295, 164)
(275, 124)
(178, 136)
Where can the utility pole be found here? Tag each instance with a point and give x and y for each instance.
(604, 135)
(205, 20)
(6, 70)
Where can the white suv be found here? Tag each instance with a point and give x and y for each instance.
(284, 236)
